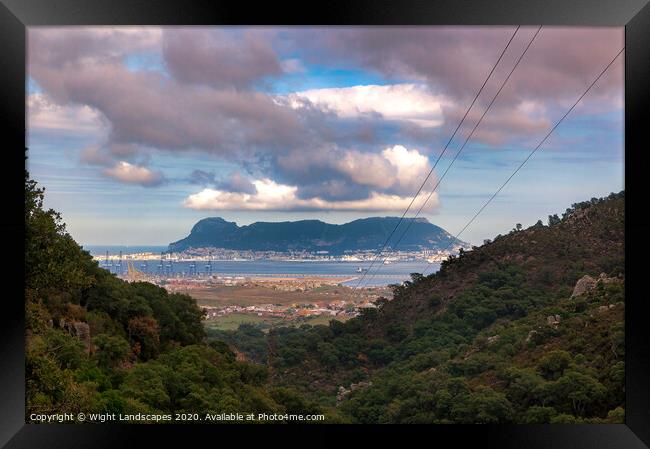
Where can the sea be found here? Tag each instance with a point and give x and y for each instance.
(378, 275)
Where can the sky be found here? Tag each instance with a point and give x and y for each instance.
(137, 133)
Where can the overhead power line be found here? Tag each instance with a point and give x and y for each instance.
(533, 151)
(437, 160)
(469, 136)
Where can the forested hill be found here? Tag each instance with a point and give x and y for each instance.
(588, 239)
(527, 328)
(497, 335)
(314, 235)
(97, 344)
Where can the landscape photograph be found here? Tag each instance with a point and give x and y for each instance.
(332, 225)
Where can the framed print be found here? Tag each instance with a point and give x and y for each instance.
(365, 220)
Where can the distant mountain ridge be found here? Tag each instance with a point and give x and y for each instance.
(314, 235)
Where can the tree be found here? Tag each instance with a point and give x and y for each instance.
(112, 401)
(553, 220)
(144, 332)
(538, 415)
(53, 257)
(292, 402)
(328, 354)
(484, 406)
(553, 364)
(50, 386)
(575, 392)
(616, 416)
(396, 332)
(146, 383)
(112, 350)
(521, 385)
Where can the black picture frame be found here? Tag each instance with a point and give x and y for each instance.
(16, 15)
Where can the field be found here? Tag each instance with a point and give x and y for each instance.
(233, 320)
(281, 292)
(250, 295)
(254, 295)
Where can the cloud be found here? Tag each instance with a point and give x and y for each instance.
(222, 115)
(134, 174)
(86, 67)
(201, 177)
(271, 196)
(502, 123)
(454, 61)
(46, 116)
(560, 60)
(292, 65)
(410, 164)
(213, 97)
(109, 154)
(335, 145)
(336, 180)
(57, 46)
(395, 168)
(334, 189)
(410, 102)
(95, 156)
(122, 149)
(145, 108)
(217, 58)
(236, 182)
(336, 173)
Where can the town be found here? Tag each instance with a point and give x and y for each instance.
(286, 298)
(283, 298)
(253, 295)
(220, 254)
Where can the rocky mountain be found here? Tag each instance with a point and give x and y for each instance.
(314, 235)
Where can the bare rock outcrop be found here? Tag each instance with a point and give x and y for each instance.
(584, 284)
(343, 392)
(553, 320)
(78, 329)
(608, 280)
(530, 335)
(82, 332)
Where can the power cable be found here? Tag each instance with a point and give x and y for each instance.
(533, 151)
(437, 160)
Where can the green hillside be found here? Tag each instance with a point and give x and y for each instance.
(494, 336)
(95, 343)
(497, 335)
